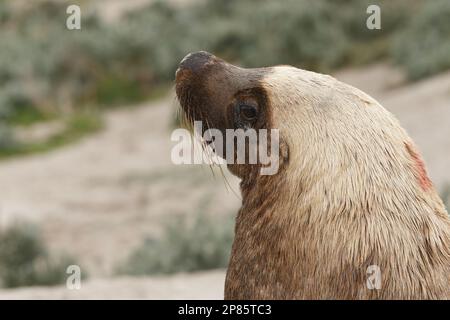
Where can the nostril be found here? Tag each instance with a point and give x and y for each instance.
(195, 61)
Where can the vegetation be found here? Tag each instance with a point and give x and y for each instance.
(423, 46)
(25, 261)
(76, 126)
(185, 246)
(46, 70)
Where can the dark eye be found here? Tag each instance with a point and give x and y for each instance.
(247, 112)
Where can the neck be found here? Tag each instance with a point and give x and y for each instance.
(301, 240)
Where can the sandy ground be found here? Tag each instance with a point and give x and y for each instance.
(195, 286)
(98, 198)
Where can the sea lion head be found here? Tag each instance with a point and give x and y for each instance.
(331, 135)
(223, 96)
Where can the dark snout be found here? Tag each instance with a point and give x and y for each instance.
(194, 62)
(209, 90)
(200, 83)
(206, 86)
(193, 67)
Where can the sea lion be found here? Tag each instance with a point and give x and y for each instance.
(351, 195)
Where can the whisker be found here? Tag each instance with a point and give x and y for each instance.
(186, 117)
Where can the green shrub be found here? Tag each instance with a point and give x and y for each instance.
(108, 64)
(77, 126)
(4, 12)
(185, 246)
(270, 32)
(44, 68)
(7, 141)
(423, 47)
(24, 259)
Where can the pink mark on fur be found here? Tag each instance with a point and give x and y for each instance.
(423, 178)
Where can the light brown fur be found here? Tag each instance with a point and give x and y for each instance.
(350, 197)
(351, 192)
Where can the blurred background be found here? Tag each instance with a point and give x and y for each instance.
(86, 117)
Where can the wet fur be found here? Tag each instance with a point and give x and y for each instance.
(352, 191)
